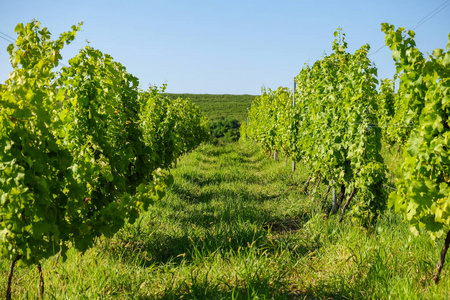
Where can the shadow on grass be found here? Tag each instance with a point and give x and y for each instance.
(217, 179)
(212, 215)
(190, 244)
(217, 293)
(213, 192)
(262, 283)
(227, 156)
(226, 224)
(215, 151)
(199, 233)
(312, 295)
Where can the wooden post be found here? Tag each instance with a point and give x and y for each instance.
(246, 132)
(293, 104)
(293, 93)
(334, 208)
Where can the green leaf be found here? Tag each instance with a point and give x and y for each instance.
(414, 143)
(446, 59)
(437, 52)
(108, 176)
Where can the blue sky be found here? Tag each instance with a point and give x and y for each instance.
(232, 47)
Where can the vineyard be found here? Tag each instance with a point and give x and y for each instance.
(108, 192)
(219, 107)
(337, 121)
(83, 150)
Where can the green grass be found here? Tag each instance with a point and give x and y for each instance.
(236, 225)
(217, 107)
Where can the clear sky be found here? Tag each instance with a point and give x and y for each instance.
(227, 46)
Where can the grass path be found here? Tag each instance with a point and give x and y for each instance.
(236, 225)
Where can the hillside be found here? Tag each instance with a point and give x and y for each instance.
(217, 107)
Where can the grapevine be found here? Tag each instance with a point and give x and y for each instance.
(77, 155)
(329, 128)
(424, 185)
